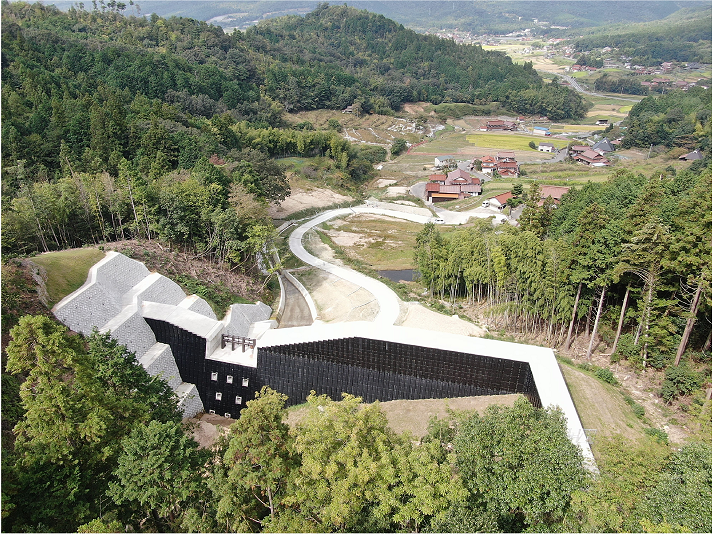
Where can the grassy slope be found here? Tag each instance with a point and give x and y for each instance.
(601, 408)
(67, 270)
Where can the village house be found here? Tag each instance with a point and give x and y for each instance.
(444, 161)
(603, 146)
(508, 169)
(592, 158)
(437, 178)
(458, 185)
(459, 177)
(541, 130)
(504, 164)
(495, 125)
(691, 156)
(553, 191)
(489, 163)
(547, 147)
(500, 201)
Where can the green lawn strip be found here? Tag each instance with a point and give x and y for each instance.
(67, 270)
(611, 415)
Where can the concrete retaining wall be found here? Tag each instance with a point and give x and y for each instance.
(241, 316)
(154, 288)
(131, 330)
(159, 361)
(118, 274)
(120, 292)
(90, 306)
(196, 304)
(189, 401)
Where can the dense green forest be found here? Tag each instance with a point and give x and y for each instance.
(117, 127)
(327, 57)
(118, 458)
(675, 119)
(685, 36)
(628, 259)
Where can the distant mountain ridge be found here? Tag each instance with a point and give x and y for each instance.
(491, 17)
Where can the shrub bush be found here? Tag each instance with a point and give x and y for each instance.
(680, 380)
(627, 350)
(661, 436)
(606, 375)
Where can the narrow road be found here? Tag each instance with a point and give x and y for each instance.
(578, 87)
(387, 299)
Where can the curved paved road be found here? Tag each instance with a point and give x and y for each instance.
(387, 299)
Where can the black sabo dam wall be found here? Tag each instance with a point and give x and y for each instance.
(369, 368)
(382, 370)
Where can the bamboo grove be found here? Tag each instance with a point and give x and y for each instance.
(629, 258)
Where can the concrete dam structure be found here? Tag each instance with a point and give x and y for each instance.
(216, 366)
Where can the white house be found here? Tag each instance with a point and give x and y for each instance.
(547, 147)
(443, 161)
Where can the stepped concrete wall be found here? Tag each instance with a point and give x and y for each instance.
(88, 307)
(242, 316)
(154, 288)
(118, 274)
(120, 294)
(159, 361)
(131, 330)
(196, 304)
(111, 300)
(189, 400)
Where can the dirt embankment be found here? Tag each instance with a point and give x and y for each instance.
(300, 200)
(173, 263)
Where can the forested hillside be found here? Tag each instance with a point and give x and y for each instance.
(109, 122)
(481, 17)
(629, 259)
(676, 119)
(684, 36)
(329, 58)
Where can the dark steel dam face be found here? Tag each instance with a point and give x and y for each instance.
(369, 368)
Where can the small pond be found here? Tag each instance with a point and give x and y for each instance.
(404, 275)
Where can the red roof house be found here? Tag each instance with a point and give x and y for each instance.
(500, 200)
(591, 157)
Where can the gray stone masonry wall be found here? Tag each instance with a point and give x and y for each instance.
(111, 299)
(189, 400)
(154, 288)
(159, 361)
(90, 306)
(243, 315)
(130, 329)
(118, 274)
(196, 304)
